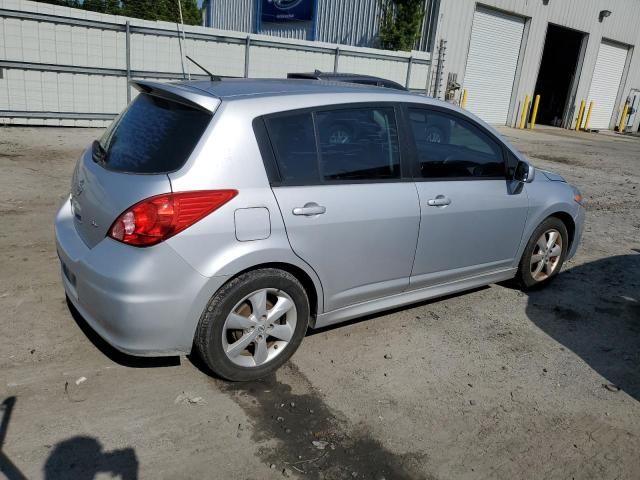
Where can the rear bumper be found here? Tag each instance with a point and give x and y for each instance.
(142, 301)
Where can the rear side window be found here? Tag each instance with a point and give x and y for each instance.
(153, 135)
(338, 145)
(294, 143)
(451, 147)
(358, 144)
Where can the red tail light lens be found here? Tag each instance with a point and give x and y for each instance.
(155, 219)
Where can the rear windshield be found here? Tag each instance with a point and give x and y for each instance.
(153, 135)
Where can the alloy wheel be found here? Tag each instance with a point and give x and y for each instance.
(545, 258)
(259, 327)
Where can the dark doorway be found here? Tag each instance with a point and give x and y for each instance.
(558, 69)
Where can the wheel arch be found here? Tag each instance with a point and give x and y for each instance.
(562, 211)
(569, 222)
(315, 296)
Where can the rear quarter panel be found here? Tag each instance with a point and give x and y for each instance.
(230, 159)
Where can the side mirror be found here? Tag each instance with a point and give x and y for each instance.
(525, 172)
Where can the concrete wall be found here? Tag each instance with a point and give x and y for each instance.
(456, 17)
(63, 66)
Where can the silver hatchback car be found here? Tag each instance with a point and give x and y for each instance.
(229, 216)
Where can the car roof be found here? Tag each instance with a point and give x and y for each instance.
(293, 94)
(345, 77)
(227, 89)
(329, 75)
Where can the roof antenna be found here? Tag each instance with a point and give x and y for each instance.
(214, 78)
(184, 40)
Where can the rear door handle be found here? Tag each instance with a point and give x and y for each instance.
(310, 209)
(439, 201)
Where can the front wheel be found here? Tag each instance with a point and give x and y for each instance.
(544, 254)
(253, 324)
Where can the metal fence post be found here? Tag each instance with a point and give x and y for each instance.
(335, 60)
(439, 68)
(128, 55)
(247, 48)
(409, 72)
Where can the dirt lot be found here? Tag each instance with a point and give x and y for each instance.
(493, 383)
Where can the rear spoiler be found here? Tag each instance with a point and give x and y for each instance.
(178, 93)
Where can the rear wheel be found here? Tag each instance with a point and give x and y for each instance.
(253, 324)
(544, 254)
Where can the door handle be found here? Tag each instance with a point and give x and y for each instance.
(310, 209)
(439, 201)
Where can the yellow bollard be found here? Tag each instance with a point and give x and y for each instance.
(623, 118)
(523, 115)
(586, 122)
(534, 113)
(463, 102)
(580, 113)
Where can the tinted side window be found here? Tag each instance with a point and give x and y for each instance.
(449, 146)
(358, 144)
(153, 135)
(293, 140)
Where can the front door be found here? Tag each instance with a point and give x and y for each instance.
(345, 208)
(472, 216)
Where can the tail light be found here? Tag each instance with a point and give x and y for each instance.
(155, 219)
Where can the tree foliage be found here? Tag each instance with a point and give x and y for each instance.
(165, 10)
(400, 23)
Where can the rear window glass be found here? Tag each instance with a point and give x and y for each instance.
(294, 142)
(347, 144)
(153, 135)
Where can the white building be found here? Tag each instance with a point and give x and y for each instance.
(564, 50)
(499, 50)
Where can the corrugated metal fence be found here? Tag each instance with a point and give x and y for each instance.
(61, 66)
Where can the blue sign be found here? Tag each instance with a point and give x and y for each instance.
(287, 10)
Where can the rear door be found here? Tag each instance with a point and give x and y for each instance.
(472, 216)
(347, 209)
(152, 137)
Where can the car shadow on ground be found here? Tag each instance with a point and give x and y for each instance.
(115, 355)
(594, 310)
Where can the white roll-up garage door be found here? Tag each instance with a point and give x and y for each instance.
(605, 82)
(491, 64)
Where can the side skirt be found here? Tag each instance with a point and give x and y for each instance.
(409, 297)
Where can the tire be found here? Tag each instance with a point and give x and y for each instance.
(551, 264)
(238, 324)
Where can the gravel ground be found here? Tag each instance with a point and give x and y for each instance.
(493, 383)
